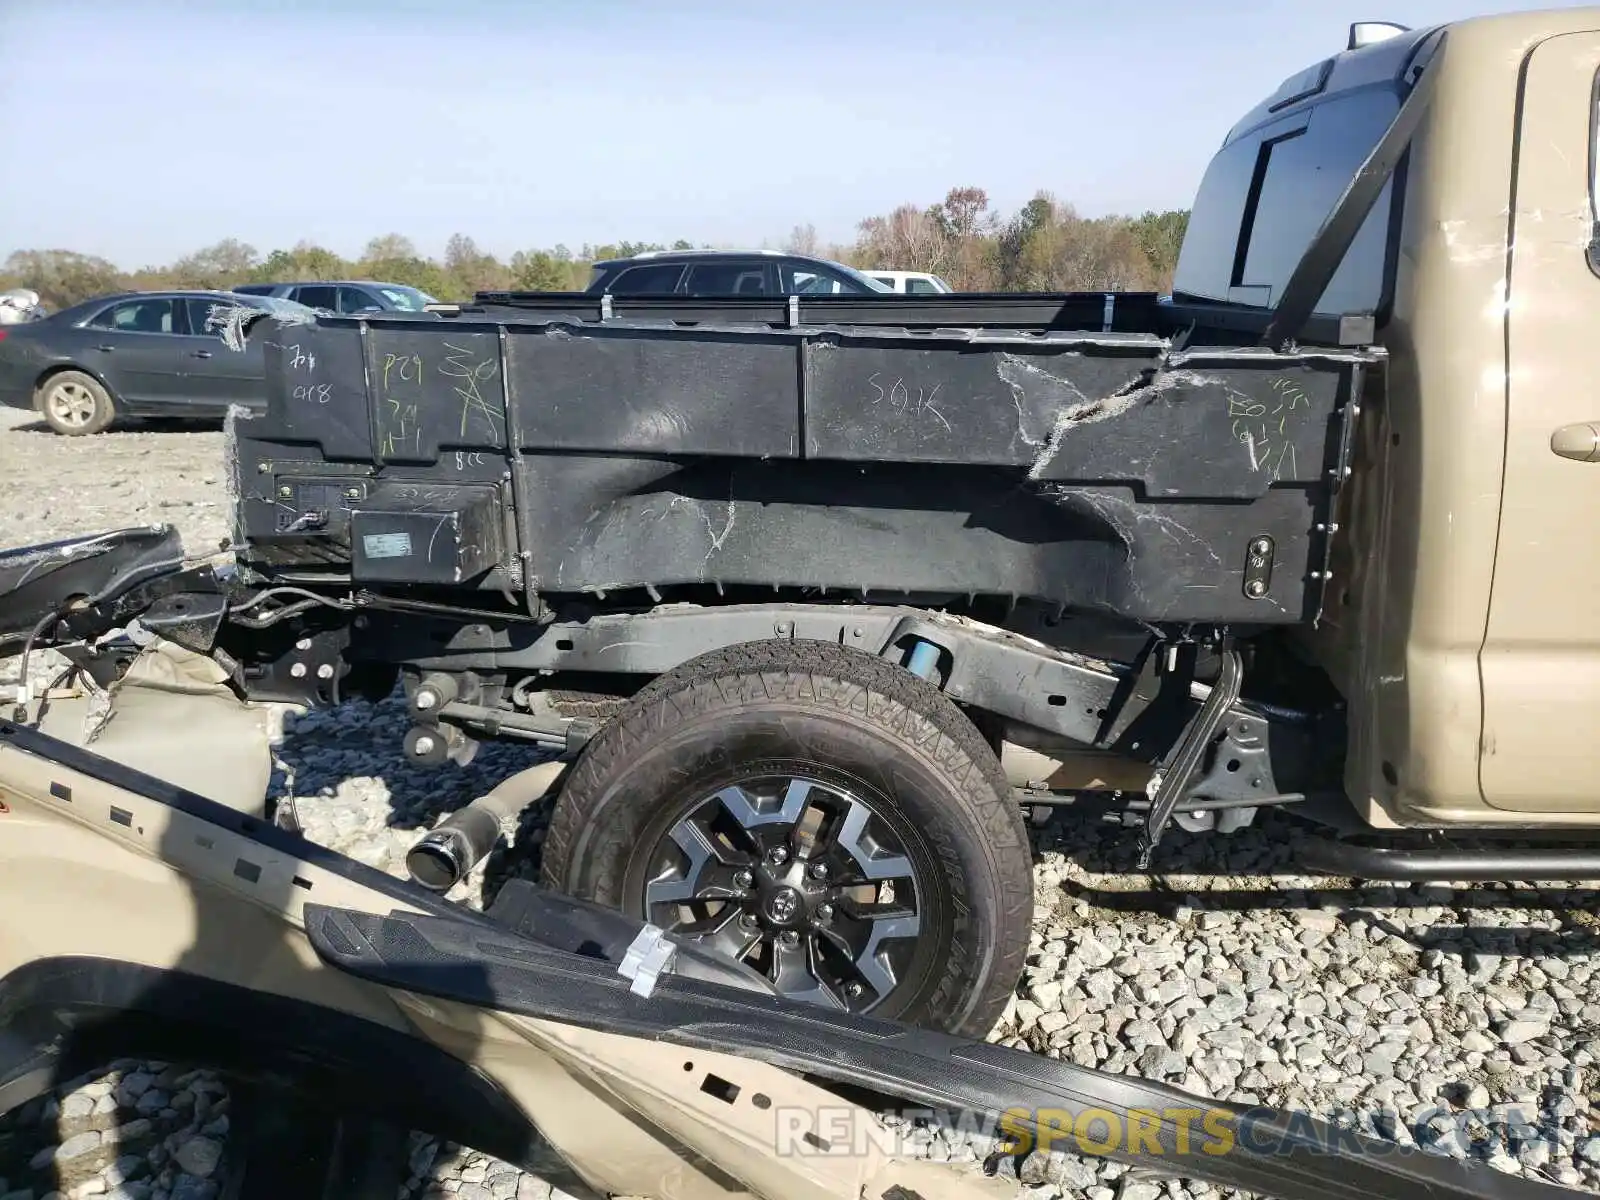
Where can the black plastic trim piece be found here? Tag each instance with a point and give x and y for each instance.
(1306, 1159)
(95, 573)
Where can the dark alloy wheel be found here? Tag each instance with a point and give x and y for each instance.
(818, 814)
(806, 881)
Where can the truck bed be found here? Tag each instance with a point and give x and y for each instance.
(697, 447)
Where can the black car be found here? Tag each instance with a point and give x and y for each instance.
(728, 273)
(133, 354)
(345, 296)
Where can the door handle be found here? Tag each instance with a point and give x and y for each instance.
(201, 353)
(1580, 441)
(107, 349)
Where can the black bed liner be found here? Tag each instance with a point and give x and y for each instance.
(1091, 468)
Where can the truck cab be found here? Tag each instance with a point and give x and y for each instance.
(1462, 618)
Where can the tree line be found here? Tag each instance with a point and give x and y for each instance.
(1044, 246)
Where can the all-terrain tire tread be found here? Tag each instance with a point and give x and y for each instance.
(853, 683)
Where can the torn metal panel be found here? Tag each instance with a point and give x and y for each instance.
(952, 397)
(1096, 471)
(80, 574)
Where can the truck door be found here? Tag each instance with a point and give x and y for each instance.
(1541, 654)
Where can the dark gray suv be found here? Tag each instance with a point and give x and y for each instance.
(728, 273)
(344, 295)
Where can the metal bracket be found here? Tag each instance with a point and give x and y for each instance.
(1172, 782)
(646, 958)
(1258, 567)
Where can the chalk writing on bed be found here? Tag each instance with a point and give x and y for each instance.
(469, 370)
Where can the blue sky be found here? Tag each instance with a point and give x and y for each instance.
(142, 129)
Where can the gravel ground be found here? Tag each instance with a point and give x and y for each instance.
(1463, 1018)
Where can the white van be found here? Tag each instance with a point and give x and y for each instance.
(913, 282)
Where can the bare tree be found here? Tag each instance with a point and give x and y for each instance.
(908, 239)
(968, 224)
(802, 239)
(964, 212)
(461, 253)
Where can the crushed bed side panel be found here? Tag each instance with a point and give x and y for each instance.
(1088, 470)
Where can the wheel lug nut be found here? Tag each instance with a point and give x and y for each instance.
(744, 879)
(824, 912)
(852, 990)
(748, 920)
(777, 856)
(790, 938)
(819, 870)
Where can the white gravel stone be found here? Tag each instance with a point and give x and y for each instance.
(199, 1156)
(79, 1145)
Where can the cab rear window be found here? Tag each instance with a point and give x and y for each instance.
(1265, 195)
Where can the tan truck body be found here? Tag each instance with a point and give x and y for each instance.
(1466, 636)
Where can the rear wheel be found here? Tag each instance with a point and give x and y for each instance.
(818, 814)
(75, 404)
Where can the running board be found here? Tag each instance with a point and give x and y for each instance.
(1330, 856)
(1263, 1150)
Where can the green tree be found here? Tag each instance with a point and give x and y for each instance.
(306, 261)
(1160, 236)
(62, 277)
(1045, 245)
(390, 247)
(545, 271)
(228, 262)
(468, 269)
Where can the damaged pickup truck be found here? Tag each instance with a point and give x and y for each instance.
(811, 597)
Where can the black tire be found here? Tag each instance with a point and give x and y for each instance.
(860, 725)
(75, 404)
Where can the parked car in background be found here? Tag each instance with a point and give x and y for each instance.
(913, 283)
(134, 354)
(727, 273)
(346, 296)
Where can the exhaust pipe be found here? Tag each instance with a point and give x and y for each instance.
(442, 857)
(1072, 770)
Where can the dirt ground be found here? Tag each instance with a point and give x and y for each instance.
(55, 487)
